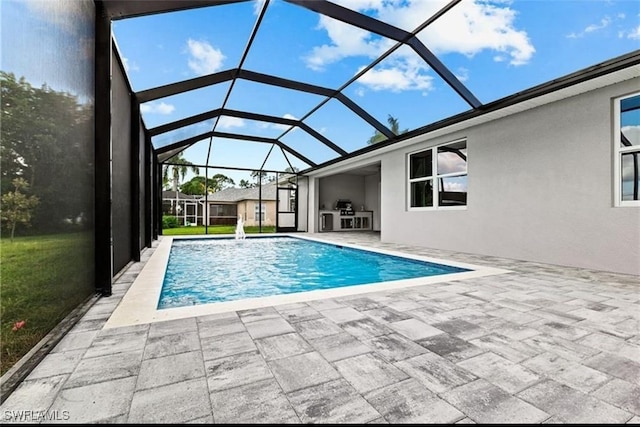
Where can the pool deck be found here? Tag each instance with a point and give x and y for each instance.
(539, 344)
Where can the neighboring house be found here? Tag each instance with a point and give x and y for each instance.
(183, 206)
(253, 204)
(224, 206)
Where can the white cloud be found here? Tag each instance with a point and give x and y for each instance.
(257, 6)
(593, 28)
(396, 79)
(632, 133)
(451, 163)
(155, 108)
(285, 127)
(472, 27)
(604, 23)
(455, 186)
(227, 122)
(204, 58)
(633, 34)
(278, 126)
(462, 74)
(129, 66)
(469, 28)
(346, 40)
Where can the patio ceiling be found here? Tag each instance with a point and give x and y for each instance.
(285, 116)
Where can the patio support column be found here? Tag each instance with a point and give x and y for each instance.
(277, 203)
(148, 188)
(260, 202)
(205, 210)
(135, 179)
(158, 190)
(102, 153)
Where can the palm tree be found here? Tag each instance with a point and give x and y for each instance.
(179, 168)
(395, 129)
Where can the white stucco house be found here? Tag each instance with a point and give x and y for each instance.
(549, 175)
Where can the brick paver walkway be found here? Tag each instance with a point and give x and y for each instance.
(540, 344)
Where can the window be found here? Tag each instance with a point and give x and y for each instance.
(260, 210)
(627, 151)
(223, 210)
(438, 176)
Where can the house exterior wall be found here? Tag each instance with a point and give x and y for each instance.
(342, 186)
(303, 203)
(247, 208)
(540, 188)
(242, 211)
(372, 198)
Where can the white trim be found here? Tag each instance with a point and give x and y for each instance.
(617, 154)
(263, 211)
(577, 89)
(140, 304)
(435, 178)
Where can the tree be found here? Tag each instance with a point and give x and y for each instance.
(17, 207)
(245, 184)
(395, 129)
(262, 176)
(176, 172)
(47, 139)
(220, 182)
(196, 186)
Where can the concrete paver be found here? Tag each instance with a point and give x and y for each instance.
(540, 344)
(410, 402)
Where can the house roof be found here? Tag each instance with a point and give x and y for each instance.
(172, 195)
(240, 194)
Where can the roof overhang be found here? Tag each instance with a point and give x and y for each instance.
(605, 74)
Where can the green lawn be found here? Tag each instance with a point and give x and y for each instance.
(42, 278)
(214, 229)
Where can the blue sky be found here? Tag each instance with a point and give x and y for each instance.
(496, 48)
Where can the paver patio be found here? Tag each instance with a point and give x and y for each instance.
(542, 343)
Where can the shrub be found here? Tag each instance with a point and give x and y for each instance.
(170, 222)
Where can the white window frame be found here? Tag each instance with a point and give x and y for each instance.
(618, 150)
(260, 209)
(435, 178)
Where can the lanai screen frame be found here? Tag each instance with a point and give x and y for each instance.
(108, 10)
(120, 9)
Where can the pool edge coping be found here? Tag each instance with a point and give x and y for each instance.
(139, 304)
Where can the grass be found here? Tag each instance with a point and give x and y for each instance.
(215, 229)
(42, 278)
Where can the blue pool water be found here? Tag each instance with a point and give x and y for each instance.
(203, 271)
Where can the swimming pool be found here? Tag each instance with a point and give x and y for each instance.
(139, 305)
(203, 271)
